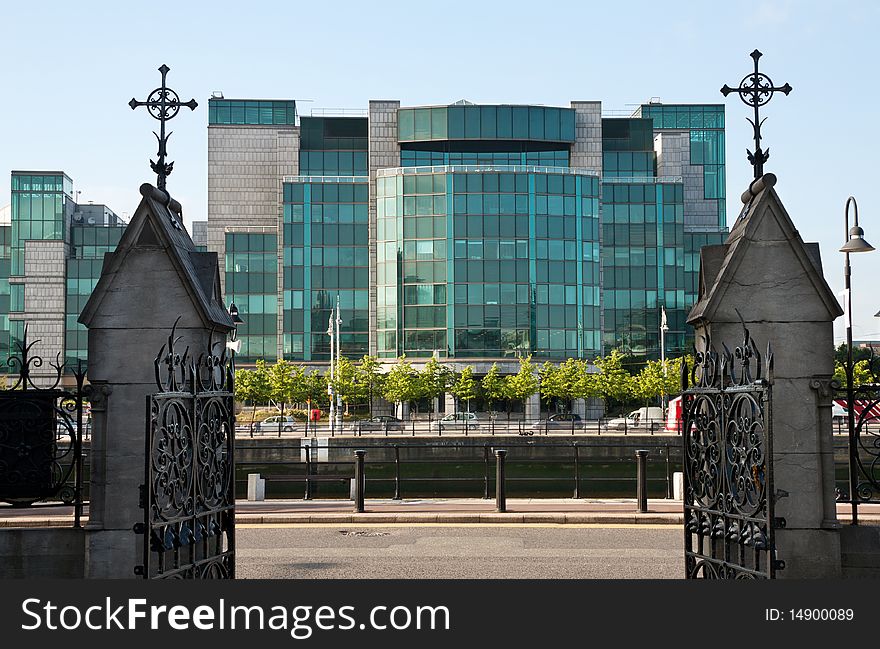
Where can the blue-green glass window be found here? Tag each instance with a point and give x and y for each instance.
(439, 123)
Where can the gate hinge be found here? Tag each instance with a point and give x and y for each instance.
(779, 522)
(780, 493)
(142, 496)
(139, 571)
(139, 528)
(778, 564)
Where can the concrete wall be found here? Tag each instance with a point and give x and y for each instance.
(35, 553)
(860, 551)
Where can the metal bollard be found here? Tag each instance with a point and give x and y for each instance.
(359, 481)
(485, 473)
(500, 495)
(396, 472)
(642, 480)
(308, 494)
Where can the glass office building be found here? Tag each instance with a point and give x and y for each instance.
(51, 255)
(473, 233)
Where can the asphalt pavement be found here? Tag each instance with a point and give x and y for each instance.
(448, 551)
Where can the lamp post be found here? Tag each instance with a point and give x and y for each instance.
(233, 344)
(331, 382)
(855, 242)
(336, 361)
(664, 327)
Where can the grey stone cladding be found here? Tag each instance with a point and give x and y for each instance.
(246, 165)
(674, 159)
(586, 153)
(44, 300)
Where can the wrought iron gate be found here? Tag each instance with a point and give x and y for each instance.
(189, 491)
(728, 482)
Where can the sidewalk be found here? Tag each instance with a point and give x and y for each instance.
(555, 511)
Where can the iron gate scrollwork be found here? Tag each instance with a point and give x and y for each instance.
(41, 430)
(189, 491)
(728, 482)
(864, 442)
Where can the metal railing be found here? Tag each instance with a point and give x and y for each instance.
(484, 168)
(641, 179)
(432, 469)
(434, 425)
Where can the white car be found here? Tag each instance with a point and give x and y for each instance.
(457, 421)
(272, 424)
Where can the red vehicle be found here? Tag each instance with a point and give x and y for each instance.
(673, 415)
(871, 412)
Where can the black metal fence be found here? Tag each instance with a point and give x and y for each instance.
(41, 433)
(436, 426)
(437, 470)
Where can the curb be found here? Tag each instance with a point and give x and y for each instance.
(465, 518)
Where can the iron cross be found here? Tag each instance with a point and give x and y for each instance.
(756, 89)
(162, 104)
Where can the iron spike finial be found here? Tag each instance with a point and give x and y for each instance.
(755, 90)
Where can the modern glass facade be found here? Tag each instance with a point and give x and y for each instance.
(705, 124)
(499, 230)
(43, 211)
(40, 202)
(326, 254)
(88, 243)
(643, 262)
(5, 263)
(487, 263)
(250, 112)
(486, 123)
(251, 284)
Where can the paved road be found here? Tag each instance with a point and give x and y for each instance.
(449, 551)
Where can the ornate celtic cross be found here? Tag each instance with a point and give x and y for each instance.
(755, 90)
(162, 104)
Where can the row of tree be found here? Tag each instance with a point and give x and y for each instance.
(363, 381)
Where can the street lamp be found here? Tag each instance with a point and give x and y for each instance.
(664, 327)
(855, 242)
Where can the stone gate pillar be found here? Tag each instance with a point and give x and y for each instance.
(154, 278)
(765, 274)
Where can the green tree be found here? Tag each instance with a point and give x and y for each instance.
(401, 383)
(859, 354)
(657, 379)
(522, 385)
(563, 382)
(369, 378)
(435, 379)
(861, 373)
(612, 382)
(281, 386)
(345, 382)
(314, 389)
(253, 386)
(465, 387)
(494, 387)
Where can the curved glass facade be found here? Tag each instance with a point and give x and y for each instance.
(488, 262)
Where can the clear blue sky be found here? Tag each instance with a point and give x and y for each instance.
(69, 69)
